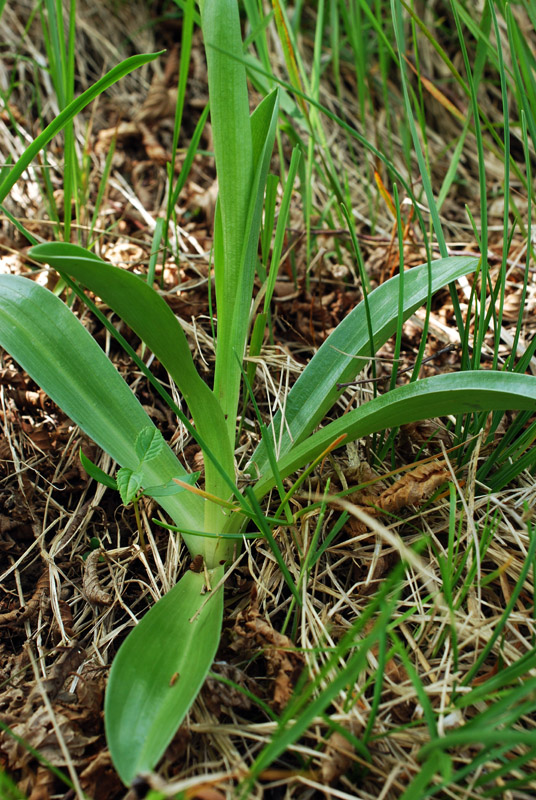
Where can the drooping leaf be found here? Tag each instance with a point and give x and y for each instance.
(457, 393)
(147, 313)
(54, 348)
(346, 351)
(158, 672)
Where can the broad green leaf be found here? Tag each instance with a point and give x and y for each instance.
(442, 395)
(149, 443)
(158, 672)
(49, 342)
(68, 114)
(147, 313)
(172, 487)
(345, 352)
(129, 483)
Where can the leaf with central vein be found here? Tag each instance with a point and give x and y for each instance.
(149, 444)
(442, 395)
(158, 672)
(147, 313)
(58, 353)
(345, 352)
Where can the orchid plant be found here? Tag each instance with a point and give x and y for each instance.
(163, 662)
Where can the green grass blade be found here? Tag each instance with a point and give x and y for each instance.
(313, 697)
(67, 114)
(158, 672)
(527, 566)
(155, 250)
(282, 220)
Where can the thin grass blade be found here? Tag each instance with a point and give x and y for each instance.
(67, 114)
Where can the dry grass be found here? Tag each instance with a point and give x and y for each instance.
(64, 613)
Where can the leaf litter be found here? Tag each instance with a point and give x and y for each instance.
(55, 523)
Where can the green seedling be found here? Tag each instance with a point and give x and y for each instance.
(162, 664)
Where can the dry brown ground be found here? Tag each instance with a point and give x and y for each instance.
(63, 614)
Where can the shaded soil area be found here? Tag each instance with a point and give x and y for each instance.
(74, 576)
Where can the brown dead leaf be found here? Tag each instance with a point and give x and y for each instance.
(120, 133)
(178, 746)
(66, 665)
(159, 103)
(37, 731)
(397, 675)
(18, 615)
(204, 793)
(205, 199)
(283, 661)
(94, 591)
(161, 98)
(413, 488)
(44, 785)
(154, 149)
(99, 780)
(38, 435)
(8, 523)
(418, 433)
(219, 696)
(339, 757)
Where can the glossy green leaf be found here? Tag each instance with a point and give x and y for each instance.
(442, 395)
(147, 313)
(345, 352)
(49, 342)
(158, 672)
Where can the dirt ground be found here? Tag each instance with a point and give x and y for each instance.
(73, 576)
